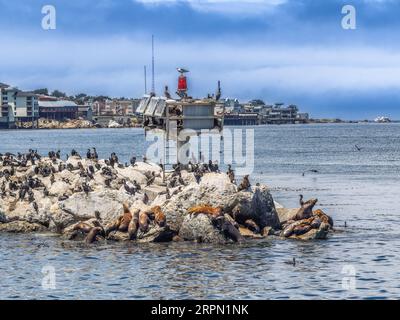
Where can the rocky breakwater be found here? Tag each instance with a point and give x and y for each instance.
(94, 200)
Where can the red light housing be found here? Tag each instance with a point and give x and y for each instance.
(182, 83)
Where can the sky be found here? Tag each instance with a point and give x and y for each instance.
(290, 51)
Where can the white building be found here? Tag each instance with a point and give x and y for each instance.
(6, 111)
(20, 105)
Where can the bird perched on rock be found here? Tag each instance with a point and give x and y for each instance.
(245, 184)
(231, 174)
(306, 208)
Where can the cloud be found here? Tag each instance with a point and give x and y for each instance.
(77, 64)
(236, 7)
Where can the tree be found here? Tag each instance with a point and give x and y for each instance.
(43, 91)
(257, 102)
(58, 94)
(80, 96)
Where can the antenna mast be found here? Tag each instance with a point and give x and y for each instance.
(153, 90)
(145, 80)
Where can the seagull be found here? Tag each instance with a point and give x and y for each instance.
(181, 70)
(357, 147)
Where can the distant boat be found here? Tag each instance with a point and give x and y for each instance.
(382, 120)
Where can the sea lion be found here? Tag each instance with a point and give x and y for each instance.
(245, 184)
(126, 218)
(159, 217)
(251, 225)
(82, 226)
(133, 224)
(227, 227)
(301, 229)
(306, 208)
(144, 222)
(206, 209)
(122, 222)
(92, 234)
(323, 217)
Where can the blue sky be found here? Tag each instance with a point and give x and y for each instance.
(292, 51)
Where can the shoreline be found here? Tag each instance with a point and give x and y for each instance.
(245, 126)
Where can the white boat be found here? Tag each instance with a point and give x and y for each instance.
(382, 119)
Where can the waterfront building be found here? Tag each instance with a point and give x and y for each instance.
(7, 118)
(85, 111)
(17, 105)
(241, 119)
(278, 114)
(58, 109)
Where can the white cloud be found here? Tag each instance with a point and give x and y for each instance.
(82, 64)
(242, 7)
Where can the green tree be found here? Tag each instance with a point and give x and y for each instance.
(44, 91)
(58, 94)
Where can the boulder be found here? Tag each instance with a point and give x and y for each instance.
(107, 202)
(21, 227)
(131, 174)
(156, 234)
(216, 190)
(286, 214)
(256, 204)
(200, 228)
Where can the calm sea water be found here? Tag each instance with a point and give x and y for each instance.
(360, 188)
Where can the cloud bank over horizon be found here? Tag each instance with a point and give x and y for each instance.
(277, 50)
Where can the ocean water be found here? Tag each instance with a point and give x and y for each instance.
(357, 188)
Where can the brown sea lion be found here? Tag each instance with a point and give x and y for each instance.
(301, 229)
(144, 222)
(305, 211)
(323, 217)
(126, 218)
(82, 226)
(122, 222)
(206, 209)
(133, 225)
(251, 225)
(159, 216)
(91, 237)
(245, 184)
(229, 230)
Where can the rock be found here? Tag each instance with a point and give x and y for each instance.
(59, 188)
(285, 214)
(147, 168)
(131, 174)
(217, 190)
(200, 228)
(118, 236)
(107, 202)
(245, 232)
(219, 182)
(114, 124)
(313, 234)
(21, 227)
(154, 191)
(256, 205)
(156, 234)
